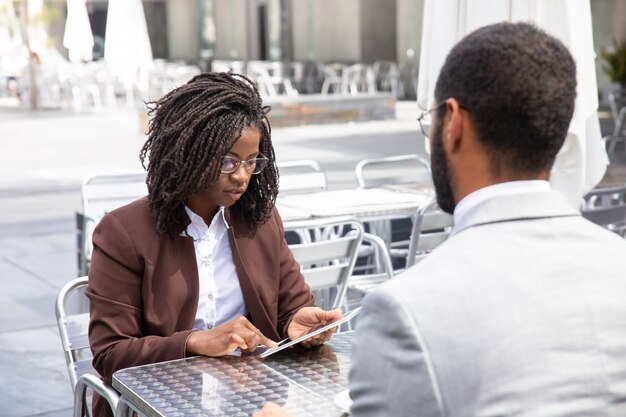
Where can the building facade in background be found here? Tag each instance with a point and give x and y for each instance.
(344, 31)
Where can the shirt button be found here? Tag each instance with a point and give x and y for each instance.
(209, 326)
(210, 296)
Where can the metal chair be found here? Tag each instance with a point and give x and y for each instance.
(616, 148)
(607, 208)
(396, 170)
(302, 176)
(380, 271)
(332, 78)
(74, 338)
(358, 78)
(100, 194)
(388, 77)
(392, 170)
(327, 259)
(431, 227)
(617, 102)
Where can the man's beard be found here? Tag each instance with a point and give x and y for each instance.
(440, 173)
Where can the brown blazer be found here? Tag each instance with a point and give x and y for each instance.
(143, 288)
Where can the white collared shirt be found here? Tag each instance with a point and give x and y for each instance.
(505, 188)
(220, 298)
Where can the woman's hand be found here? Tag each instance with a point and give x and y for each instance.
(308, 318)
(226, 338)
(271, 409)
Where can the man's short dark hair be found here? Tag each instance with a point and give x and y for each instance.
(519, 85)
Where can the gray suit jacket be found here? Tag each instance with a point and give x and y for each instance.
(521, 312)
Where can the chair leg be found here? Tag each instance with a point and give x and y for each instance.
(123, 409)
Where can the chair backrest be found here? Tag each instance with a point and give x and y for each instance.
(220, 65)
(302, 176)
(375, 273)
(327, 259)
(358, 78)
(431, 227)
(100, 194)
(73, 328)
(73, 321)
(400, 169)
(606, 207)
(617, 101)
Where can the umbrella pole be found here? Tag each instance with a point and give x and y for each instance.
(34, 105)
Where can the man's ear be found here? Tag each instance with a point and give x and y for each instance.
(453, 131)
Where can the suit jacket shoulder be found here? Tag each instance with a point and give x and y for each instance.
(513, 314)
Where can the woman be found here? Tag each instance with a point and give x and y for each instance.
(200, 266)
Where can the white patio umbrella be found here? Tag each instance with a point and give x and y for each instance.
(78, 38)
(582, 161)
(127, 47)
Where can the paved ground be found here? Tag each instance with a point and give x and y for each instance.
(43, 157)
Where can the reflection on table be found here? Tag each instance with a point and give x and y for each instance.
(304, 381)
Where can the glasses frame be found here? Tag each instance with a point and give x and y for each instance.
(427, 113)
(239, 162)
(422, 117)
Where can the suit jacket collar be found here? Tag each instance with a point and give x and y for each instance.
(532, 205)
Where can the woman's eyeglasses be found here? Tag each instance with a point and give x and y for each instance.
(252, 166)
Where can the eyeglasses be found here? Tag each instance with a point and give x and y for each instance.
(424, 119)
(252, 166)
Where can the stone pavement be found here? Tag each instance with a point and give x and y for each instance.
(43, 157)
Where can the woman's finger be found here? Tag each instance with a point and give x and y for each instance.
(265, 341)
(236, 341)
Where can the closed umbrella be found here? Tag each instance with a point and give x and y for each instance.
(582, 160)
(127, 47)
(78, 38)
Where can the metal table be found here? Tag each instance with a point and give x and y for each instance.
(289, 214)
(304, 381)
(363, 204)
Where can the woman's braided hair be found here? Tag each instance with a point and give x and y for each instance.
(193, 128)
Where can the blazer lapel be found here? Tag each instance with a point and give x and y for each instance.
(183, 245)
(253, 302)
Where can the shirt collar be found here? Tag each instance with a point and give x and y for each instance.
(198, 229)
(506, 188)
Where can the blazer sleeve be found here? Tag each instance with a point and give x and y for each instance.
(390, 373)
(293, 292)
(117, 331)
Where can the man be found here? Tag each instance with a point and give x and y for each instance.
(522, 311)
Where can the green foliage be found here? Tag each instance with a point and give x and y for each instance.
(615, 62)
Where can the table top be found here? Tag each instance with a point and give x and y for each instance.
(304, 381)
(365, 204)
(288, 214)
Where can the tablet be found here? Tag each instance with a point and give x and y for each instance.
(284, 344)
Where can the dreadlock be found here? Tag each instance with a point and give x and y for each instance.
(193, 128)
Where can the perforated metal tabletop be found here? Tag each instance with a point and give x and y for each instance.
(304, 381)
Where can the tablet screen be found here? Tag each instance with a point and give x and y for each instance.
(317, 330)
